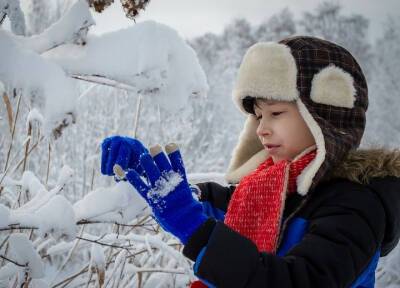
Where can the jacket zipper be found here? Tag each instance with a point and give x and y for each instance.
(291, 215)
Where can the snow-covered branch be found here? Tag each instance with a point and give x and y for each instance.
(12, 9)
(148, 58)
(71, 28)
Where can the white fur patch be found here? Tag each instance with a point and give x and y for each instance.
(268, 70)
(333, 86)
(234, 176)
(304, 180)
(243, 158)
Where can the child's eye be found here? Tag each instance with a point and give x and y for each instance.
(258, 117)
(276, 113)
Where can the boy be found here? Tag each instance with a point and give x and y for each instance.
(305, 208)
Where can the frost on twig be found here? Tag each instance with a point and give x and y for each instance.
(98, 263)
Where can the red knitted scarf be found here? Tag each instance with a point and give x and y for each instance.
(256, 207)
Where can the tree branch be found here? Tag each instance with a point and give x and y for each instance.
(12, 261)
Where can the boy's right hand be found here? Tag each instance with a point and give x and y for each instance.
(123, 151)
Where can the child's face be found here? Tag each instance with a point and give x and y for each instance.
(281, 129)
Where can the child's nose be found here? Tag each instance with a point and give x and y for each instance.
(263, 130)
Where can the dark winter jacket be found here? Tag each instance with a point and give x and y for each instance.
(332, 237)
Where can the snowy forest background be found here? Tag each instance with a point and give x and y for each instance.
(63, 224)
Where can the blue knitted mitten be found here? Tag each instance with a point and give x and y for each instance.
(168, 193)
(123, 151)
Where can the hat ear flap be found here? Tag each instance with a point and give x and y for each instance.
(333, 86)
(248, 153)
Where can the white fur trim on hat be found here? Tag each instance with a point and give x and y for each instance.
(250, 165)
(304, 180)
(268, 70)
(248, 153)
(333, 86)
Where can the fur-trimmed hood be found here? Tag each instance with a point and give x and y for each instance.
(364, 164)
(379, 169)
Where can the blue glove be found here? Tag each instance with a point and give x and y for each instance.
(123, 151)
(168, 193)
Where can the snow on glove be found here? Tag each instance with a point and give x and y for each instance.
(122, 151)
(168, 192)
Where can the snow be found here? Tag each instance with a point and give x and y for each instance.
(97, 258)
(57, 218)
(65, 175)
(34, 116)
(38, 283)
(23, 252)
(206, 177)
(150, 57)
(67, 30)
(120, 202)
(152, 60)
(112, 238)
(165, 186)
(7, 271)
(37, 76)
(31, 183)
(120, 259)
(4, 215)
(48, 211)
(15, 15)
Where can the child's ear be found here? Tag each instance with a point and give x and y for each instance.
(333, 86)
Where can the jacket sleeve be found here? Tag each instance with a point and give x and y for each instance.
(217, 195)
(343, 235)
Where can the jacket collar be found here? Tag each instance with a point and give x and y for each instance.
(364, 164)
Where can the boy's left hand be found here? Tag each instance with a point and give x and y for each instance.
(168, 193)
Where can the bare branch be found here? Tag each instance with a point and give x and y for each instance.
(101, 80)
(104, 244)
(12, 261)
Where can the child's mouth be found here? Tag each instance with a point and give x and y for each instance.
(271, 147)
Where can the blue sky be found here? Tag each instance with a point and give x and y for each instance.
(193, 17)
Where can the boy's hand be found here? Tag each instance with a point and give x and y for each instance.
(168, 193)
(123, 151)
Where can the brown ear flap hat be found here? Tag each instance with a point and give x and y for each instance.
(330, 91)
